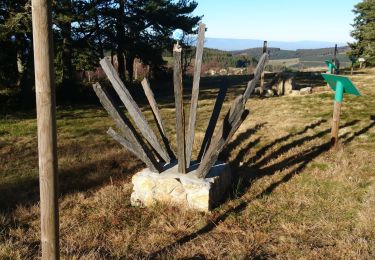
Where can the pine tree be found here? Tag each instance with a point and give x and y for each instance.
(364, 32)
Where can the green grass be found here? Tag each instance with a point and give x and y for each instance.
(292, 197)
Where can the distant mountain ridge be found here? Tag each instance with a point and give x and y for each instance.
(299, 58)
(241, 44)
(278, 54)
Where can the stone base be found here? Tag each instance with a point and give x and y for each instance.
(183, 189)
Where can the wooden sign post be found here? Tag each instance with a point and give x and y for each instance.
(340, 85)
(331, 67)
(47, 140)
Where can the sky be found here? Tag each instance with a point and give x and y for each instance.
(278, 20)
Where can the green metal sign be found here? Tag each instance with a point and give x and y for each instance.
(341, 85)
(331, 66)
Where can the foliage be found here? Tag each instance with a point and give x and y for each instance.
(84, 31)
(224, 59)
(364, 32)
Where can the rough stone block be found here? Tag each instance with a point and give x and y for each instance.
(184, 189)
(305, 91)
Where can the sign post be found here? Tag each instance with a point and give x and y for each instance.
(340, 85)
(331, 67)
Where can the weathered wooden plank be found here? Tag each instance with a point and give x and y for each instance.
(151, 100)
(133, 109)
(213, 120)
(232, 121)
(155, 111)
(257, 73)
(46, 120)
(180, 118)
(124, 142)
(195, 93)
(137, 144)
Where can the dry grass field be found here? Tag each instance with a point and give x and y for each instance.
(292, 197)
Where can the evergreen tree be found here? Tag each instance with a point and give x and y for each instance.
(87, 30)
(143, 28)
(364, 32)
(16, 63)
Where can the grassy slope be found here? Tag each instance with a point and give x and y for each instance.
(292, 197)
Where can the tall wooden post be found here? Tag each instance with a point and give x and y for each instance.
(262, 77)
(179, 101)
(46, 110)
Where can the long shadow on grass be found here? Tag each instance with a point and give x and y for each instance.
(77, 178)
(249, 171)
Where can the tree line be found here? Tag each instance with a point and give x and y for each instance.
(87, 30)
(364, 32)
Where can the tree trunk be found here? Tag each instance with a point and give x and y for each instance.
(99, 34)
(20, 67)
(130, 66)
(66, 32)
(121, 40)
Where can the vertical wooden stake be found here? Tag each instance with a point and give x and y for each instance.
(335, 124)
(262, 77)
(46, 114)
(179, 101)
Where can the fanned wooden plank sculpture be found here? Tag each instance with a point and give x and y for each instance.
(144, 143)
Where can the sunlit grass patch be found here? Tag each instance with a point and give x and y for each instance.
(292, 197)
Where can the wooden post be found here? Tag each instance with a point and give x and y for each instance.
(179, 101)
(46, 117)
(262, 77)
(336, 113)
(257, 73)
(335, 124)
(195, 93)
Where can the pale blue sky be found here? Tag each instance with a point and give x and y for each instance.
(278, 20)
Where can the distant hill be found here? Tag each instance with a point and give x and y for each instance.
(241, 44)
(279, 58)
(278, 53)
(300, 57)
